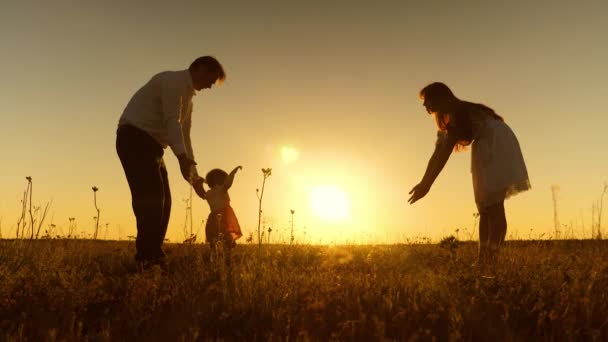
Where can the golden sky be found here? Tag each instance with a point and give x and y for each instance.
(323, 92)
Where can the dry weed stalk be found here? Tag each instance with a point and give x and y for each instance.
(28, 207)
(291, 237)
(266, 173)
(95, 189)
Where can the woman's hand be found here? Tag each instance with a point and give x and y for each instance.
(418, 191)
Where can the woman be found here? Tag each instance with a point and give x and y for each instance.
(497, 164)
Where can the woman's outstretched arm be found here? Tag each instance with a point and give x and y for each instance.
(443, 150)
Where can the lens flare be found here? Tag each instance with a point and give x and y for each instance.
(289, 154)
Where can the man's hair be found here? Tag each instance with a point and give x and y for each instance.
(212, 64)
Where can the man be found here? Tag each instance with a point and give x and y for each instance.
(157, 116)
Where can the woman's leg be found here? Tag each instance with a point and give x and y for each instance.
(498, 227)
(484, 236)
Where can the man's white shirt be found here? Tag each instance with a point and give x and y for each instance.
(163, 109)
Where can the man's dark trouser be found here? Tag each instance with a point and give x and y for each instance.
(142, 160)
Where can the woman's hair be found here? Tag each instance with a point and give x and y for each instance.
(216, 177)
(459, 122)
(212, 64)
(436, 91)
(434, 94)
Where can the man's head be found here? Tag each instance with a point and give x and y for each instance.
(205, 72)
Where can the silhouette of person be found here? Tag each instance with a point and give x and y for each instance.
(159, 115)
(497, 164)
(222, 223)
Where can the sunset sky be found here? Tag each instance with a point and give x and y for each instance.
(322, 92)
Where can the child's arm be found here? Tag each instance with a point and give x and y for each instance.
(199, 188)
(230, 177)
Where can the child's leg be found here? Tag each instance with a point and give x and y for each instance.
(211, 228)
(227, 244)
(215, 239)
(221, 249)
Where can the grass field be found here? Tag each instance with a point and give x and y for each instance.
(88, 290)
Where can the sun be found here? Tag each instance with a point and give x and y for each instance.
(330, 203)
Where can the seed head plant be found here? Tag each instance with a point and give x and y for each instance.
(189, 236)
(260, 194)
(71, 227)
(269, 231)
(34, 214)
(291, 237)
(95, 189)
(450, 244)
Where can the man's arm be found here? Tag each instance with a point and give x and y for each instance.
(172, 98)
(186, 128)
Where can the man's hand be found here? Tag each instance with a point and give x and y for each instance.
(418, 191)
(188, 168)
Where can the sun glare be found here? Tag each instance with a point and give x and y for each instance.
(330, 203)
(289, 154)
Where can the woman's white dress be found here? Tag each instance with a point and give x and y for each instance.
(497, 164)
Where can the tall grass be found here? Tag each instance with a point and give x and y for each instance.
(79, 289)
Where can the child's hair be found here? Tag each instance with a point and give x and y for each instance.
(216, 177)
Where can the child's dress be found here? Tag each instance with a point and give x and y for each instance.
(497, 164)
(222, 221)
